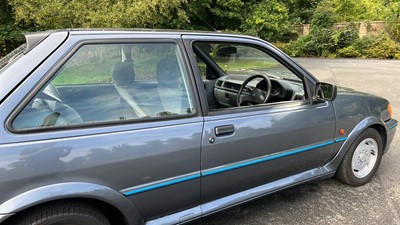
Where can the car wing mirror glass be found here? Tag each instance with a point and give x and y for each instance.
(324, 92)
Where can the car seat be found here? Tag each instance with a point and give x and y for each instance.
(123, 76)
(171, 87)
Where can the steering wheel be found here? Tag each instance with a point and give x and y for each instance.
(257, 96)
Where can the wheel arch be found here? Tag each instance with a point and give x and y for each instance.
(106, 198)
(382, 131)
(369, 122)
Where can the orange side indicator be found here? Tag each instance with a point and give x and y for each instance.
(342, 131)
(389, 107)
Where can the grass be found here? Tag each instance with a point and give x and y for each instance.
(95, 73)
(245, 64)
(85, 74)
(145, 69)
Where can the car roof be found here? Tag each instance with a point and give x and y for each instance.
(34, 38)
(149, 31)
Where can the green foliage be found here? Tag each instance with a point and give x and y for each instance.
(345, 38)
(383, 48)
(282, 46)
(321, 40)
(10, 33)
(321, 43)
(10, 38)
(356, 10)
(344, 44)
(214, 14)
(323, 17)
(393, 20)
(349, 52)
(324, 42)
(269, 20)
(60, 14)
(300, 47)
(301, 11)
(272, 20)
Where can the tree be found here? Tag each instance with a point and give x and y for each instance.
(301, 11)
(10, 33)
(393, 20)
(60, 14)
(269, 20)
(324, 16)
(356, 10)
(215, 14)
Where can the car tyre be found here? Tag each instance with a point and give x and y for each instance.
(362, 159)
(62, 213)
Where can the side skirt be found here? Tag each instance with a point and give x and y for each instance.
(241, 197)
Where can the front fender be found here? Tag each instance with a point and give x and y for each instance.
(361, 126)
(72, 190)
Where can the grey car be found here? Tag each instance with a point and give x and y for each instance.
(163, 127)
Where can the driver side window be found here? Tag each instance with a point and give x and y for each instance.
(243, 75)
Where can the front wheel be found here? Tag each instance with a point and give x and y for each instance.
(62, 213)
(362, 159)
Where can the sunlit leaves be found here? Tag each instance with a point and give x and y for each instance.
(268, 19)
(56, 14)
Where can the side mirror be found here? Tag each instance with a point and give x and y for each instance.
(324, 92)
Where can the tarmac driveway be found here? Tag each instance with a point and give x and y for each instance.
(329, 201)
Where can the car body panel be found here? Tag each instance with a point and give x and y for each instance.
(3, 217)
(356, 111)
(241, 197)
(112, 159)
(90, 144)
(257, 141)
(173, 170)
(72, 190)
(258, 144)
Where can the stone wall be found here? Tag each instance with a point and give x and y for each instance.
(364, 28)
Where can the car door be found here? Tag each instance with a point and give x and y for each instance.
(67, 129)
(244, 147)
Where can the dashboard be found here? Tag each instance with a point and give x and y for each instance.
(227, 87)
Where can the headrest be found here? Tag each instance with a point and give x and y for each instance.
(51, 93)
(168, 72)
(123, 74)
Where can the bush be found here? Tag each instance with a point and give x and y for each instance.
(349, 52)
(392, 23)
(380, 47)
(383, 48)
(319, 43)
(269, 20)
(364, 43)
(346, 43)
(322, 42)
(10, 38)
(297, 48)
(323, 16)
(345, 38)
(282, 46)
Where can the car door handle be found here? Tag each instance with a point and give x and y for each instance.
(224, 130)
